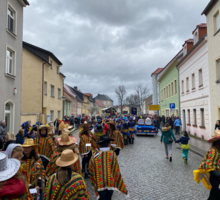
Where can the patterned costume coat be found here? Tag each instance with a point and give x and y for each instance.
(74, 189)
(83, 149)
(105, 173)
(35, 170)
(118, 137)
(53, 168)
(46, 146)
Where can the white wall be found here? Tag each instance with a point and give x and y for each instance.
(198, 98)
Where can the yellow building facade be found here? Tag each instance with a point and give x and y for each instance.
(85, 106)
(42, 85)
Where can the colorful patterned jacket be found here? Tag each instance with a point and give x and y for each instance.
(83, 149)
(74, 189)
(118, 137)
(105, 173)
(53, 168)
(35, 170)
(46, 146)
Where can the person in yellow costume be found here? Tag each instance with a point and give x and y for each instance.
(209, 169)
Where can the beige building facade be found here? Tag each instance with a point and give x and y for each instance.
(212, 12)
(42, 85)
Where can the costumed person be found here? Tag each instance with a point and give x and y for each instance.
(26, 125)
(12, 182)
(106, 126)
(209, 169)
(66, 184)
(64, 142)
(130, 130)
(34, 165)
(45, 143)
(20, 137)
(118, 142)
(85, 148)
(33, 131)
(16, 151)
(184, 145)
(99, 131)
(105, 172)
(125, 131)
(9, 139)
(133, 130)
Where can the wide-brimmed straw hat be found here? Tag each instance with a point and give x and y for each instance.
(67, 158)
(104, 138)
(216, 136)
(66, 140)
(29, 142)
(112, 125)
(8, 167)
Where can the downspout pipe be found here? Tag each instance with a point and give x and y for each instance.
(179, 91)
(43, 85)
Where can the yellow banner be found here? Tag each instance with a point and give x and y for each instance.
(154, 107)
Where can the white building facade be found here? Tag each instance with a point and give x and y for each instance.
(194, 86)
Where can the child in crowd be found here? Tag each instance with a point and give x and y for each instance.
(184, 145)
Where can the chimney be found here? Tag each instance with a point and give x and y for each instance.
(75, 87)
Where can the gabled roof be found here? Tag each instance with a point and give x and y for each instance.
(99, 103)
(88, 94)
(103, 97)
(188, 41)
(41, 53)
(209, 6)
(202, 25)
(69, 91)
(77, 93)
(157, 71)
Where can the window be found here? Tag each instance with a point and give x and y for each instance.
(200, 78)
(51, 115)
(10, 62)
(195, 38)
(193, 81)
(175, 87)
(51, 90)
(218, 69)
(45, 87)
(202, 117)
(58, 69)
(182, 87)
(9, 117)
(216, 18)
(172, 88)
(164, 92)
(194, 116)
(51, 64)
(187, 84)
(169, 91)
(59, 93)
(11, 20)
(58, 114)
(188, 116)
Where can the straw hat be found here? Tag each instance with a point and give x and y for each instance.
(67, 158)
(216, 136)
(8, 167)
(29, 142)
(66, 140)
(49, 129)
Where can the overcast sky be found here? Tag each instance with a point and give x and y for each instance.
(106, 43)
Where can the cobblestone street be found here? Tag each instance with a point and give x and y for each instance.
(150, 176)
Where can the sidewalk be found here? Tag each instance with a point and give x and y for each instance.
(198, 146)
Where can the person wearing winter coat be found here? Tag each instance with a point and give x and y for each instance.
(185, 146)
(167, 138)
(2, 132)
(9, 139)
(177, 123)
(217, 125)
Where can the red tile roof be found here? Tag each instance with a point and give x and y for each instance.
(188, 41)
(88, 94)
(202, 25)
(157, 71)
(99, 103)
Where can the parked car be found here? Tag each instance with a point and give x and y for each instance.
(145, 128)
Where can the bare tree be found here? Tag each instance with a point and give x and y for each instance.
(121, 92)
(132, 100)
(93, 109)
(142, 92)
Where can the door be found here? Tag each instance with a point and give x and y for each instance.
(8, 117)
(167, 113)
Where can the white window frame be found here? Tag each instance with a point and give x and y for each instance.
(51, 64)
(193, 81)
(195, 117)
(12, 113)
(59, 93)
(52, 86)
(187, 84)
(13, 75)
(14, 33)
(45, 87)
(200, 78)
(175, 86)
(216, 21)
(202, 118)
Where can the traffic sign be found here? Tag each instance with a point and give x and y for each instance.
(154, 107)
(172, 106)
